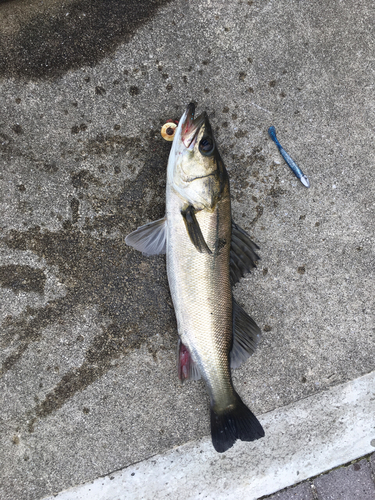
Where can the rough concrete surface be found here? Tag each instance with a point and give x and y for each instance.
(88, 335)
(295, 448)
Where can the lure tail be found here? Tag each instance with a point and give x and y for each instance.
(272, 134)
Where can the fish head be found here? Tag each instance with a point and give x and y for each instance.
(195, 167)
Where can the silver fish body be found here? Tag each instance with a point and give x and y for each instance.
(206, 253)
(201, 291)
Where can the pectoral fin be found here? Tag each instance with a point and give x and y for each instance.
(246, 334)
(243, 255)
(194, 231)
(149, 239)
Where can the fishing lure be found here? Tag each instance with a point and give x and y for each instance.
(290, 162)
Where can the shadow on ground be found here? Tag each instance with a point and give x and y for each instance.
(66, 37)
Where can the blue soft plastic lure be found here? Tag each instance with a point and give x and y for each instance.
(291, 163)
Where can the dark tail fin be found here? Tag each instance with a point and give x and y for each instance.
(236, 422)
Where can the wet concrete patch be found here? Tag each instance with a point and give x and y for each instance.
(83, 179)
(103, 273)
(109, 345)
(66, 37)
(6, 143)
(108, 143)
(129, 291)
(22, 278)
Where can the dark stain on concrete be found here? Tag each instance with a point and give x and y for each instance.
(276, 191)
(17, 129)
(241, 133)
(9, 149)
(109, 345)
(109, 143)
(6, 144)
(100, 90)
(240, 177)
(259, 209)
(78, 128)
(49, 168)
(74, 205)
(83, 179)
(22, 278)
(70, 36)
(130, 291)
(134, 90)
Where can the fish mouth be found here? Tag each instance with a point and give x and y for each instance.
(191, 125)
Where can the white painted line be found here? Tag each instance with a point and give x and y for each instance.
(302, 440)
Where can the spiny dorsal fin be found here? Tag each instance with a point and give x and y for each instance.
(246, 335)
(194, 230)
(243, 255)
(149, 239)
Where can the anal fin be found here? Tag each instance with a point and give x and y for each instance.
(246, 335)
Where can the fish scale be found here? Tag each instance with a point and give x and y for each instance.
(201, 293)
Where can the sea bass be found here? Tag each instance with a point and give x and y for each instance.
(207, 253)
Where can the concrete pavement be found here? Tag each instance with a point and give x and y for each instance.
(303, 439)
(88, 340)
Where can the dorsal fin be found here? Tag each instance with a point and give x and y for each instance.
(243, 255)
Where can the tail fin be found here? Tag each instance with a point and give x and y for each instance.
(236, 422)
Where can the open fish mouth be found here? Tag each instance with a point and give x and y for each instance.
(191, 126)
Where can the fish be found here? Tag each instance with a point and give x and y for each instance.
(290, 162)
(206, 254)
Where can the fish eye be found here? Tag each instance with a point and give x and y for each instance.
(168, 130)
(206, 146)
